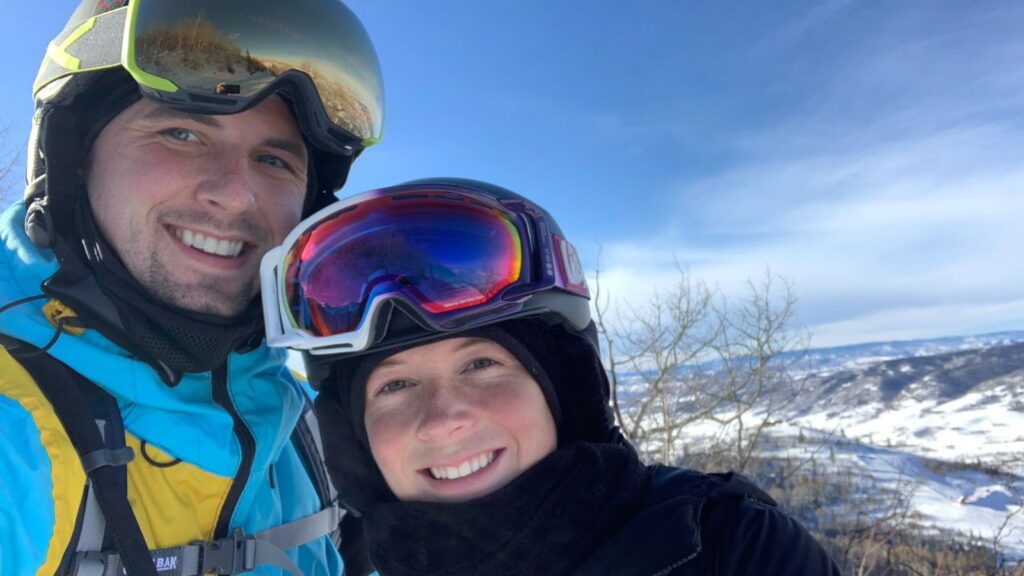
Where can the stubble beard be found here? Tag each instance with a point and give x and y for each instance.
(223, 295)
(211, 294)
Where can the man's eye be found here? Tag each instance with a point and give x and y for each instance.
(181, 134)
(480, 364)
(275, 161)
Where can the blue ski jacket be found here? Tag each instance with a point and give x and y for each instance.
(193, 469)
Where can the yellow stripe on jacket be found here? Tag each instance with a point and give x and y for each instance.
(68, 474)
(174, 502)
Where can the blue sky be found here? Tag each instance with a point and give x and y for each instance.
(870, 152)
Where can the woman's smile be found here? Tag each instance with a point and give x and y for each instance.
(467, 467)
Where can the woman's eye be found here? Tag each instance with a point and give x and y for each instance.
(394, 386)
(182, 134)
(480, 364)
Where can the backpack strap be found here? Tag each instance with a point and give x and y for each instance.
(347, 535)
(306, 439)
(73, 397)
(240, 553)
(109, 539)
(92, 526)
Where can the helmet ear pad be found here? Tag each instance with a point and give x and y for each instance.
(65, 137)
(51, 197)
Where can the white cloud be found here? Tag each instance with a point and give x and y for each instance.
(904, 237)
(921, 322)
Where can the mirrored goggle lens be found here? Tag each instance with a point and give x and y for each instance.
(238, 47)
(440, 254)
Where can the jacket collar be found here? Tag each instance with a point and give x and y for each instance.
(665, 534)
(259, 381)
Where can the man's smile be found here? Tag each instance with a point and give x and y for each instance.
(208, 243)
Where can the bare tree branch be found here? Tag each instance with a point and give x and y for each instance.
(687, 359)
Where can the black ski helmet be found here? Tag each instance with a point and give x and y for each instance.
(113, 52)
(96, 66)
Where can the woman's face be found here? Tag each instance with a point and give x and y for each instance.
(455, 420)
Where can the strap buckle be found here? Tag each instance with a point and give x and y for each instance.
(96, 564)
(232, 555)
(107, 457)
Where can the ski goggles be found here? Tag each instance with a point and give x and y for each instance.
(223, 57)
(449, 256)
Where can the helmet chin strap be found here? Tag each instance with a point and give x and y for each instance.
(38, 223)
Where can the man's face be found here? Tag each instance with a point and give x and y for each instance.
(192, 202)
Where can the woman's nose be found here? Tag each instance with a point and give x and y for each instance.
(446, 414)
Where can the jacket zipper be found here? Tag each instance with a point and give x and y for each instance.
(677, 564)
(247, 442)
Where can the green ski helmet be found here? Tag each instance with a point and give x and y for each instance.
(203, 57)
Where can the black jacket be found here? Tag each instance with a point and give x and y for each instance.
(702, 524)
(689, 524)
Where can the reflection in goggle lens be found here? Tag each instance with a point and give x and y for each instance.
(237, 48)
(440, 255)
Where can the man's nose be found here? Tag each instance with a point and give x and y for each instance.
(231, 187)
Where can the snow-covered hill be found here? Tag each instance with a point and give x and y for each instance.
(941, 421)
(823, 360)
(965, 406)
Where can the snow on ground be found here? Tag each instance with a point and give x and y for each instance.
(978, 426)
(947, 493)
(946, 435)
(945, 496)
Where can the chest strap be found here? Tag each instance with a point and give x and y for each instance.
(233, 555)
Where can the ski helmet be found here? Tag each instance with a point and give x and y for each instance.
(208, 58)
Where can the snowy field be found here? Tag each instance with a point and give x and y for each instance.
(937, 425)
(952, 497)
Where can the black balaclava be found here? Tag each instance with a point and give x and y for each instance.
(93, 280)
(565, 366)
